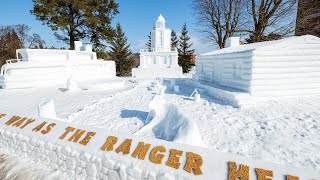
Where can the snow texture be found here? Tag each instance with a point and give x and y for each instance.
(15, 167)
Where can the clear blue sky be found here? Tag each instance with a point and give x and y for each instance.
(137, 18)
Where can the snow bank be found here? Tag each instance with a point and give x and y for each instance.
(92, 153)
(166, 122)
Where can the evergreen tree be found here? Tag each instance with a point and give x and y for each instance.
(77, 19)
(120, 52)
(185, 53)
(148, 44)
(174, 40)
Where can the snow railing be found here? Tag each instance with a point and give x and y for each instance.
(10, 61)
(92, 153)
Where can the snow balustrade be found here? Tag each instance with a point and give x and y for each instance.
(47, 67)
(92, 153)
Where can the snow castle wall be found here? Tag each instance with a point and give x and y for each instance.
(91, 153)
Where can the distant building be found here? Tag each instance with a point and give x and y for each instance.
(308, 18)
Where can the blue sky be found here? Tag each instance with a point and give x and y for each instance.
(136, 17)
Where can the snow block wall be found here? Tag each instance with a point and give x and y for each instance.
(92, 153)
(287, 67)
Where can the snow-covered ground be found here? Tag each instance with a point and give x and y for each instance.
(284, 131)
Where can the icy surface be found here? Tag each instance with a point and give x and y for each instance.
(283, 131)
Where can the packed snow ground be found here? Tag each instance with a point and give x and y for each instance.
(284, 131)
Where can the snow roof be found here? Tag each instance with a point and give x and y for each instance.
(264, 45)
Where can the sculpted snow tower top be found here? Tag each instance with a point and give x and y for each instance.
(161, 36)
(160, 60)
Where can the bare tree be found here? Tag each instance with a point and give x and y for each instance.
(22, 31)
(277, 15)
(9, 42)
(219, 19)
(35, 41)
(308, 18)
(260, 19)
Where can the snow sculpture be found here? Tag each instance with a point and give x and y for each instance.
(49, 67)
(241, 73)
(47, 110)
(72, 85)
(166, 122)
(162, 60)
(196, 97)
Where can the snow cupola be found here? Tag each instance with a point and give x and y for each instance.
(161, 22)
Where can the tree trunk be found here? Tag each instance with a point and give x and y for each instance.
(72, 41)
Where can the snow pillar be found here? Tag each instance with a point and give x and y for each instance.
(174, 61)
(77, 45)
(233, 42)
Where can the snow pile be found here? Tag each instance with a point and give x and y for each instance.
(47, 110)
(14, 167)
(166, 122)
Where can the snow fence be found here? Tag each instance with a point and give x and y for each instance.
(92, 153)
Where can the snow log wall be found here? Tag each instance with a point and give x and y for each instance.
(278, 70)
(229, 70)
(91, 153)
(286, 70)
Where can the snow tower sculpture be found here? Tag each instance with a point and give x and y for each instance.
(161, 60)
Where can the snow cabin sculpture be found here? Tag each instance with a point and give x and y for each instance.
(161, 60)
(286, 67)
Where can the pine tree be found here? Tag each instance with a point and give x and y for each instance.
(120, 52)
(174, 39)
(185, 53)
(77, 19)
(148, 44)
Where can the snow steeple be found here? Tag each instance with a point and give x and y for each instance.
(161, 22)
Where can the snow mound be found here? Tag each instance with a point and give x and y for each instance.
(47, 110)
(165, 121)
